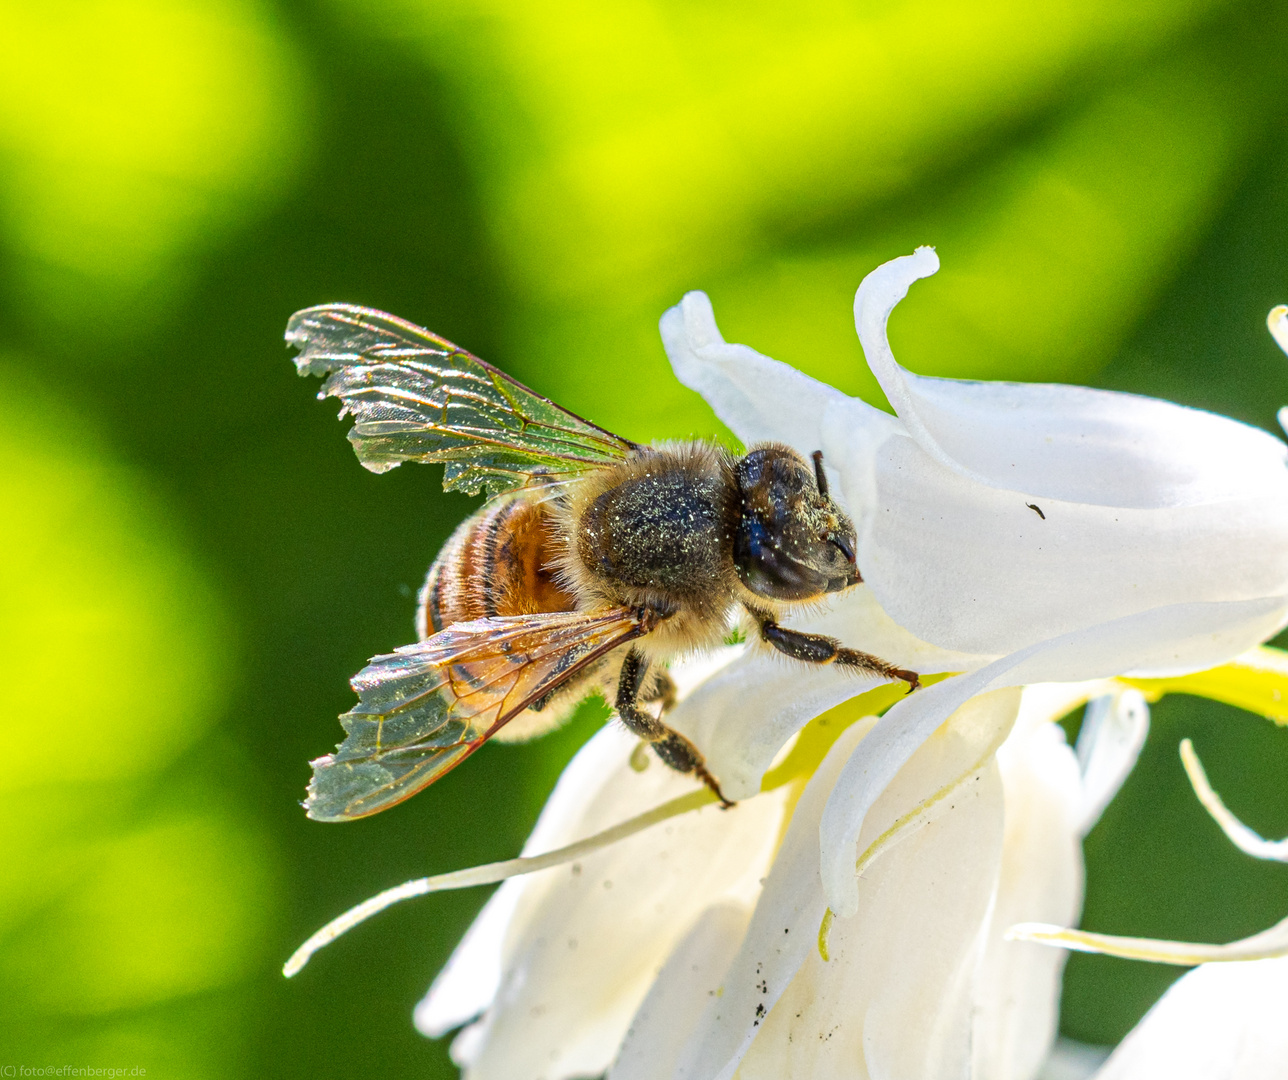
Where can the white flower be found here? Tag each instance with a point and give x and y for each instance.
(1226, 1017)
(667, 973)
(1016, 534)
(654, 958)
(1022, 533)
(562, 960)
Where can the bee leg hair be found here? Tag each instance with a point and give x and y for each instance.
(661, 688)
(817, 649)
(672, 747)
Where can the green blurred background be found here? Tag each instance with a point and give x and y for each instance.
(194, 563)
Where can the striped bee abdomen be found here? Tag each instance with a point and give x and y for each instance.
(500, 561)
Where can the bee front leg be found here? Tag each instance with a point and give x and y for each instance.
(672, 747)
(817, 649)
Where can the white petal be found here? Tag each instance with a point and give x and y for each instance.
(1017, 990)
(1201, 635)
(759, 399)
(1063, 442)
(469, 981)
(691, 671)
(856, 618)
(1219, 1022)
(894, 999)
(877, 296)
(1112, 736)
(691, 977)
(742, 716)
(1070, 1060)
(465, 1047)
(993, 515)
(977, 569)
(1046, 703)
(931, 959)
(781, 935)
(587, 940)
(744, 713)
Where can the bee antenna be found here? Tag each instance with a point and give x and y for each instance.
(818, 472)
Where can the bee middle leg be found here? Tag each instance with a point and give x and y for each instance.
(818, 649)
(672, 747)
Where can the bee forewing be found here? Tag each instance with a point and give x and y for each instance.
(416, 397)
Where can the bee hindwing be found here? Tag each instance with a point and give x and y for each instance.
(426, 707)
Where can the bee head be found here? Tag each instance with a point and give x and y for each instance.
(792, 541)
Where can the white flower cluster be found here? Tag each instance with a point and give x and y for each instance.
(849, 917)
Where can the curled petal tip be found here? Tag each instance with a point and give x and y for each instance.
(888, 284)
(691, 323)
(1277, 320)
(926, 253)
(878, 294)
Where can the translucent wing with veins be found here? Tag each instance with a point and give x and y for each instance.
(425, 708)
(416, 397)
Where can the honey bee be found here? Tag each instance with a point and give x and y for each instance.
(594, 560)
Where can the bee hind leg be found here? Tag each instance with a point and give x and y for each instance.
(673, 748)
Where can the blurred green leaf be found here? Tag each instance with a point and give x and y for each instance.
(132, 134)
(630, 143)
(115, 656)
(158, 913)
(1050, 253)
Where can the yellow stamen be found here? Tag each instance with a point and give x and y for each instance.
(930, 808)
(817, 737)
(824, 928)
(1263, 946)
